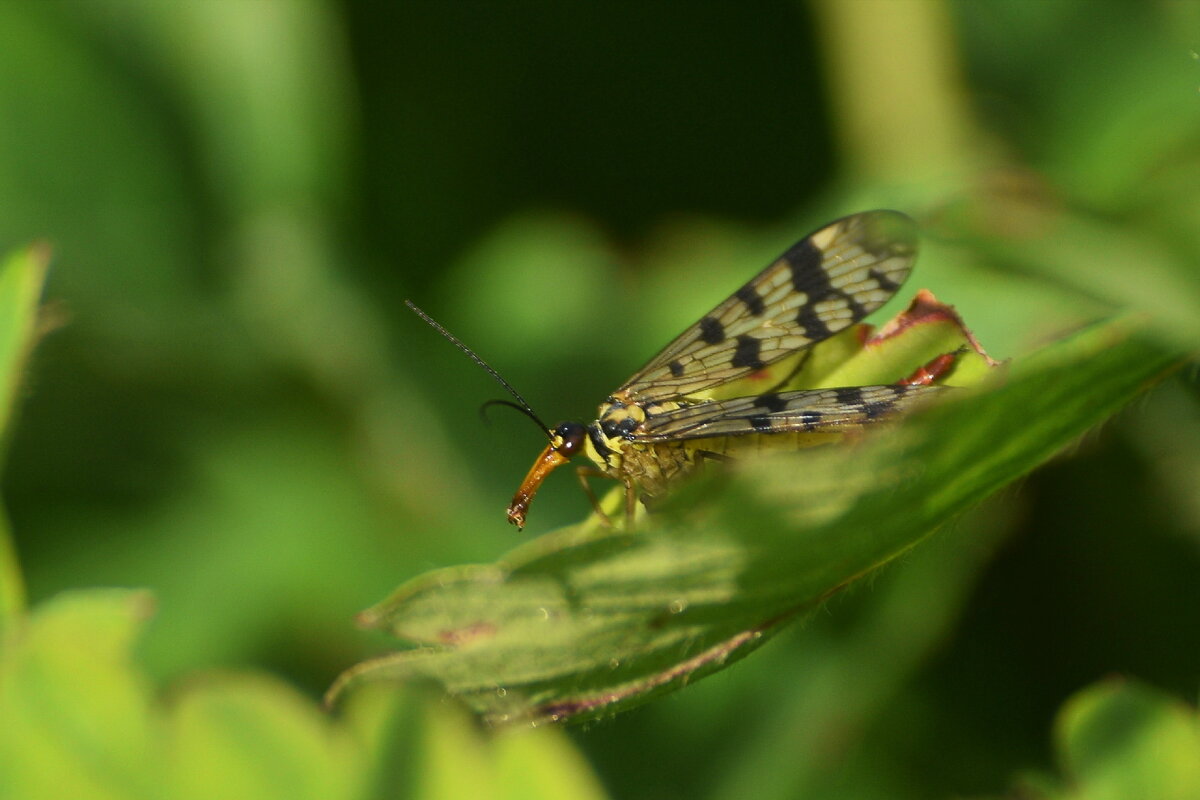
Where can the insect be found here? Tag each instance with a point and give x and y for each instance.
(663, 422)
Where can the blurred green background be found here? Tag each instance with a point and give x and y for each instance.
(232, 408)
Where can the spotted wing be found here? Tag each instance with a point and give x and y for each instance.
(823, 284)
(783, 412)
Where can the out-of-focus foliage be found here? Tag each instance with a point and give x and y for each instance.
(82, 721)
(1118, 740)
(21, 277)
(231, 409)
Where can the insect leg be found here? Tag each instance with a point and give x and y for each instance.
(583, 473)
(630, 504)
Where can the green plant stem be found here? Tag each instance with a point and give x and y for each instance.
(896, 89)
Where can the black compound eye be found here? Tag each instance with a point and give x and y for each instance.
(572, 435)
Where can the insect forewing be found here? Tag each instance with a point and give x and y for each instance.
(823, 284)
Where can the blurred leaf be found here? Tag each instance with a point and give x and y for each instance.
(420, 746)
(1134, 121)
(1167, 434)
(21, 278)
(77, 719)
(808, 733)
(1119, 740)
(524, 257)
(255, 737)
(543, 765)
(1121, 265)
(81, 721)
(584, 622)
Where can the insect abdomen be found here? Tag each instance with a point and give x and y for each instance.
(658, 467)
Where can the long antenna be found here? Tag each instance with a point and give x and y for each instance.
(471, 354)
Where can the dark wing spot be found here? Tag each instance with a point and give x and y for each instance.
(876, 410)
(770, 401)
(747, 352)
(808, 276)
(761, 423)
(810, 419)
(848, 396)
(712, 331)
(811, 323)
(676, 368)
(885, 283)
(855, 307)
(749, 295)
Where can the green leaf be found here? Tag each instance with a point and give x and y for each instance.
(21, 279)
(1122, 739)
(418, 745)
(81, 720)
(253, 736)
(1126, 267)
(77, 719)
(585, 622)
